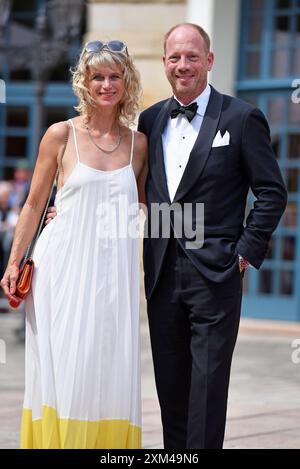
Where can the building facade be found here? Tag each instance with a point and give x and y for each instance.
(268, 66)
(257, 49)
(39, 41)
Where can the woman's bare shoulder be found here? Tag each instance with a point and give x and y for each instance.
(57, 132)
(141, 143)
(141, 138)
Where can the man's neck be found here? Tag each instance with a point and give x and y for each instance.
(185, 101)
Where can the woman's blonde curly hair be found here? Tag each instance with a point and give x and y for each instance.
(90, 61)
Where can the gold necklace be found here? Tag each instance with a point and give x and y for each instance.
(98, 146)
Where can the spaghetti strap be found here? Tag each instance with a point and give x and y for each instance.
(132, 146)
(75, 140)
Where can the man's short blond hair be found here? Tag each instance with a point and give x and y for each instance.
(198, 28)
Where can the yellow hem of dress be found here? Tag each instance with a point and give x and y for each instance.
(52, 432)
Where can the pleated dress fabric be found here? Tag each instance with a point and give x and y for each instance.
(82, 361)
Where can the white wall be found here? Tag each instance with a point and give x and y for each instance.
(201, 12)
(225, 43)
(221, 19)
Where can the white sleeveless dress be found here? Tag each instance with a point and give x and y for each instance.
(82, 364)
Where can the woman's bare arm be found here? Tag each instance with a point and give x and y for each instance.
(142, 153)
(42, 180)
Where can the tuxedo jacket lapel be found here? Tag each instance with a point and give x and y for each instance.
(157, 157)
(201, 149)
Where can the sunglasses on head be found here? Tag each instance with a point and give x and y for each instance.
(112, 46)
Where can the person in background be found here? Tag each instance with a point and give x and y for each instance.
(8, 220)
(21, 183)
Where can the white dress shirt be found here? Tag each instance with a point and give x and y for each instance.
(178, 140)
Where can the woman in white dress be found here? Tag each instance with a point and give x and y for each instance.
(82, 386)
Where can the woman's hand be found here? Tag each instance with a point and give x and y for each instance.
(8, 283)
(51, 214)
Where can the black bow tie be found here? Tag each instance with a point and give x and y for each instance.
(189, 111)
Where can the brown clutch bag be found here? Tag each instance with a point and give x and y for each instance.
(25, 278)
(24, 282)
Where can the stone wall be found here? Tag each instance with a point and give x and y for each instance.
(142, 25)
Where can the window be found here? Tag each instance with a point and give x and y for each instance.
(23, 13)
(270, 39)
(269, 62)
(16, 135)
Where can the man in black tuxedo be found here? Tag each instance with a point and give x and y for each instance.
(210, 153)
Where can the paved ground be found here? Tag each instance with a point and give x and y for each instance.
(264, 400)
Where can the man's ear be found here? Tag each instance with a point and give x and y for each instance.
(164, 59)
(210, 61)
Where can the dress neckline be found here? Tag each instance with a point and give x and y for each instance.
(104, 170)
(96, 169)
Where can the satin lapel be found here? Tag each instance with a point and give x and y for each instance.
(201, 149)
(156, 152)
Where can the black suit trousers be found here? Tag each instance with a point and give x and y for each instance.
(193, 328)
